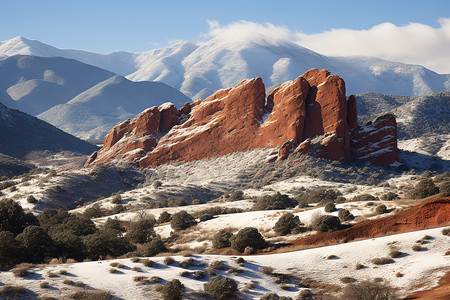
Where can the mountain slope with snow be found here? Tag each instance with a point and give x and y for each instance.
(94, 112)
(34, 84)
(199, 69)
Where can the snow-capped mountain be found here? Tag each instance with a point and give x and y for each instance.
(199, 69)
(34, 84)
(92, 113)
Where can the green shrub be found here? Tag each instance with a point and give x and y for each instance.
(389, 196)
(164, 217)
(326, 223)
(247, 237)
(286, 223)
(222, 239)
(113, 224)
(31, 199)
(10, 250)
(381, 209)
(36, 243)
(221, 288)
(319, 196)
(330, 207)
(276, 201)
(423, 189)
(154, 247)
(13, 218)
(105, 243)
(141, 231)
(345, 215)
(364, 198)
(172, 290)
(182, 220)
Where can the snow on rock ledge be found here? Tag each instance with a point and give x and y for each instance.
(308, 115)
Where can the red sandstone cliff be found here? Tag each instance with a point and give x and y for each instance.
(308, 115)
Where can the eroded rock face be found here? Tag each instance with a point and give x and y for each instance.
(376, 142)
(308, 115)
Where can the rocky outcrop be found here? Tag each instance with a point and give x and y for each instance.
(376, 142)
(309, 115)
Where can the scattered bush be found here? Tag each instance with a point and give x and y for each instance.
(164, 217)
(142, 231)
(270, 296)
(359, 266)
(20, 271)
(169, 260)
(237, 195)
(389, 196)
(394, 252)
(247, 237)
(381, 209)
(325, 223)
(368, 290)
(364, 198)
(172, 290)
(205, 217)
(154, 247)
(12, 292)
(182, 220)
(36, 243)
(446, 231)
(43, 285)
(266, 270)
(330, 207)
(444, 188)
(240, 260)
(286, 224)
(418, 247)
(104, 243)
(319, 196)
(273, 202)
(113, 224)
(221, 288)
(13, 218)
(423, 189)
(136, 269)
(216, 265)
(31, 199)
(185, 264)
(345, 215)
(147, 262)
(221, 239)
(347, 279)
(382, 260)
(117, 199)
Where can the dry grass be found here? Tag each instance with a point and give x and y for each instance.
(395, 252)
(359, 266)
(382, 261)
(62, 272)
(12, 292)
(91, 295)
(135, 259)
(137, 269)
(20, 272)
(44, 285)
(147, 262)
(347, 279)
(169, 260)
(51, 274)
(266, 270)
(418, 247)
(113, 270)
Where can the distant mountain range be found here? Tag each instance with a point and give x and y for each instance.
(81, 99)
(199, 69)
(21, 134)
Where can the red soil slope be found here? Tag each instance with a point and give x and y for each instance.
(440, 292)
(429, 214)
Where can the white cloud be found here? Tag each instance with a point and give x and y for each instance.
(244, 31)
(414, 43)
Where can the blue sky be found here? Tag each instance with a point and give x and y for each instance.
(139, 25)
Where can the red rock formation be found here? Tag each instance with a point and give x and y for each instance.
(376, 142)
(308, 115)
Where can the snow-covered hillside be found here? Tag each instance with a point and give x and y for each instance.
(95, 111)
(198, 69)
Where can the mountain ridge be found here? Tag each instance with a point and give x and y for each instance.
(199, 69)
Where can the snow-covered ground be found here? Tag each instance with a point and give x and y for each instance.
(410, 271)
